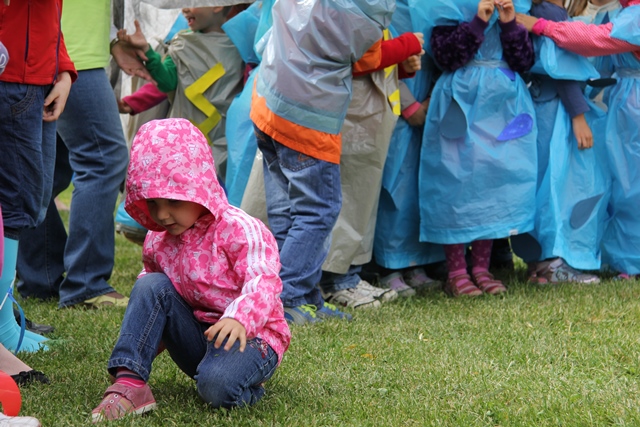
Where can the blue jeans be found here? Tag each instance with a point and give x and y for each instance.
(27, 153)
(156, 313)
(334, 282)
(304, 198)
(97, 153)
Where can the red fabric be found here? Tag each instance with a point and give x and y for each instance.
(408, 112)
(395, 51)
(585, 39)
(30, 30)
(148, 96)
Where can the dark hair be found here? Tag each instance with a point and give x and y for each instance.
(537, 1)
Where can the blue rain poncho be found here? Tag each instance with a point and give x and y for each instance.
(246, 31)
(396, 244)
(621, 242)
(478, 159)
(574, 187)
(573, 184)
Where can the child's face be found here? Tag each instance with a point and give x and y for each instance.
(176, 216)
(203, 19)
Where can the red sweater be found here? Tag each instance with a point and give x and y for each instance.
(30, 30)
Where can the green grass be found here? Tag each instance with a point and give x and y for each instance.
(539, 356)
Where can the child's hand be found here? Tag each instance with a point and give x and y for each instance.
(129, 60)
(582, 132)
(506, 11)
(123, 107)
(419, 116)
(227, 328)
(136, 40)
(526, 21)
(57, 98)
(412, 63)
(485, 9)
(420, 38)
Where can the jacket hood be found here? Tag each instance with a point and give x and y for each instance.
(379, 11)
(171, 159)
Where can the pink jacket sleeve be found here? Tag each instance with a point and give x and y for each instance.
(258, 264)
(148, 96)
(584, 39)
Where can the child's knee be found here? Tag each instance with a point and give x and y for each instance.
(221, 390)
(150, 284)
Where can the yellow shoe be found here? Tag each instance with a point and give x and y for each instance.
(106, 301)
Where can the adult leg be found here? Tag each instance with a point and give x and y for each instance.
(40, 263)
(26, 169)
(91, 129)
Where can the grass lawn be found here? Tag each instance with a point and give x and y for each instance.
(539, 356)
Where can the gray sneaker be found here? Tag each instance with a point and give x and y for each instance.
(417, 278)
(558, 271)
(396, 282)
(381, 294)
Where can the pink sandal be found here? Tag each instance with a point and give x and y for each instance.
(486, 282)
(461, 285)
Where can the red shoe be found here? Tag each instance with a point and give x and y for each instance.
(461, 285)
(120, 400)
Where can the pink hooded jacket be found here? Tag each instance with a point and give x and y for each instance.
(227, 264)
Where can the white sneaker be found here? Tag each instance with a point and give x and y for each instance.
(384, 295)
(6, 421)
(353, 298)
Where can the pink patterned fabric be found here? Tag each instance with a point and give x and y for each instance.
(586, 39)
(456, 262)
(481, 255)
(227, 264)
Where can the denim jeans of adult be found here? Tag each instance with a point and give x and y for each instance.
(91, 130)
(157, 313)
(334, 282)
(304, 198)
(27, 153)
